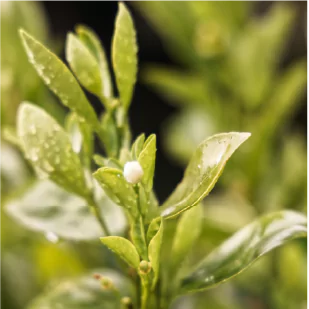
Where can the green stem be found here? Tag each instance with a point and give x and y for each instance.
(145, 291)
(96, 210)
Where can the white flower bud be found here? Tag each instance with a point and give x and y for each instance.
(133, 172)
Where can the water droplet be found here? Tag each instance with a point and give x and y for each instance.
(199, 166)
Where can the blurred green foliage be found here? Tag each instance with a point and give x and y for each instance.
(232, 79)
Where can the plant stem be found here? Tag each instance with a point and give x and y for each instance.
(96, 210)
(145, 291)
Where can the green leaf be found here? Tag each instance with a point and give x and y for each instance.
(137, 233)
(137, 146)
(147, 159)
(124, 248)
(44, 207)
(91, 40)
(117, 188)
(81, 137)
(202, 172)
(246, 246)
(58, 78)
(177, 86)
(83, 64)
(124, 55)
(188, 230)
(154, 251)
(153, 228)
(109, 134)
(83, 292)
(48, 147)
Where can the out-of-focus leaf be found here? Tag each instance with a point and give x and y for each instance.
(242, 249)
(48, 147)
(177, 86)
(147, 159)
(83, 293)
(9, 134)
(83, 64)
(46, 208)
(185, 131)
(288, 91)
(14, 172)
(124, 50)
(58, 78)
(154, 250)
(203, 171)
(89, 38)
(124, 248)
(188, 230)
(117, 188)
(255, 55)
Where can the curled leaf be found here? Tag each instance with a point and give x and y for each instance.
(202, 172)
(246, 246)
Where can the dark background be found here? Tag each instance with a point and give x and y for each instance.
(148, 111)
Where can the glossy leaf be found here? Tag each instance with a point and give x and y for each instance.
(44, 207)
(58, 78)
(117, 188)
(92, 41)
(154, 250)
(147, 159)
(242, 249)
(48, 147)
(137, 146)
(123, 248)
(83, 292)
(188, 230)
(124, 55)
(83, 64)
(202, 172)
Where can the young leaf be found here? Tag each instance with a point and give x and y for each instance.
(58, 78)
(83, 64)
(48, 147)
(124, 50)
(154, 251)
(45, 207)
(188, 230)
(202, 172)
(88, 37)
(117, 188)
(137, 146)
(147, 159)
(246, 246)
(124, 248)
(137, 233)
(109, 134)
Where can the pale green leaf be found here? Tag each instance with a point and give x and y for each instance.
(154, 251)
(117, 188)
(44, 207)
(137, 233)
(83, 292)
(58, 78)
(83, 64)
(123, 248)
(91, 40)
(188, 230)
(202, 172)
(177, 86)
(242, 249)
(137, 146)
(48, 147)
(147, 159)
(109, 134)
(124, 50)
